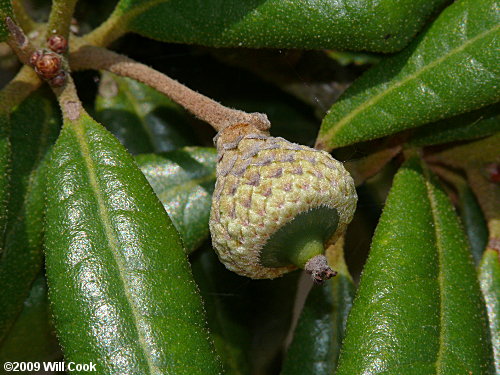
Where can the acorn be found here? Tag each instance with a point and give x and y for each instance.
(276, 204)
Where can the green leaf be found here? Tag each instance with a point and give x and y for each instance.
(143, 119)
(121, 288)
(320, 330)
(452, 68)
(227, 310)
(475, 124)
(489, 278)
(35, 125)
(418, 309)
(5, 11)
(384, 26)
(184, 182)
(473, 220)
(33, 329)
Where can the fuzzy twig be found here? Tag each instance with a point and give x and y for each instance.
(488, 196)
(24, 19)
(70, 104)
(24, 83)
(363, 169)
(206, 109)
(60, 18)
(482, 151)
(18, 41)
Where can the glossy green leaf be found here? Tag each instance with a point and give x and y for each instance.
(320, 330)
(140, 117)
(33, 329)
(228, 315)
(452, 68)
(35, 125)
(475, 124)
(474, 222)
(489, 278)
(184, 181)
(385, 25)
(121, 288)
(5, 11)
(418, 309)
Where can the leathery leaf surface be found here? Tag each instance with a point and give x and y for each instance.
(120, 285)
(450, 69)
(418, 309)
(383, 25)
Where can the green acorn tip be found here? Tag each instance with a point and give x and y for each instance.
(308, 255)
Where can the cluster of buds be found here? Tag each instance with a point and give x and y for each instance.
(48, 63)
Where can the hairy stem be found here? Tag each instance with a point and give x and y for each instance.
(488, 196)
(24, 83)
(60, 18)
(482, 151)
(116, 24)
(24, 19)
(19, 42)
(220, 117)
(446, 174)
(109, 31)
(363, 169)
(70, 104)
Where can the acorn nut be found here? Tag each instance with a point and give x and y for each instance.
(277, 204)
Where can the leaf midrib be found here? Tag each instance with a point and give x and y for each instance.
(439, 247)
(376, 98)
(110, 236)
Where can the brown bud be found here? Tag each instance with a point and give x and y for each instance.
(35, 56)
(59, 80)
(57, 43)
(48, 65)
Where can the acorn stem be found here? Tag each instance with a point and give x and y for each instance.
(206, 109)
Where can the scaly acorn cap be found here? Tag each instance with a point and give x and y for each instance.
(276, 204)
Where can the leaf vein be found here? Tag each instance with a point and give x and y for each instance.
(111, 238)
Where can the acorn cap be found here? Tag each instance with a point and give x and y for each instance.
(276, 203)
